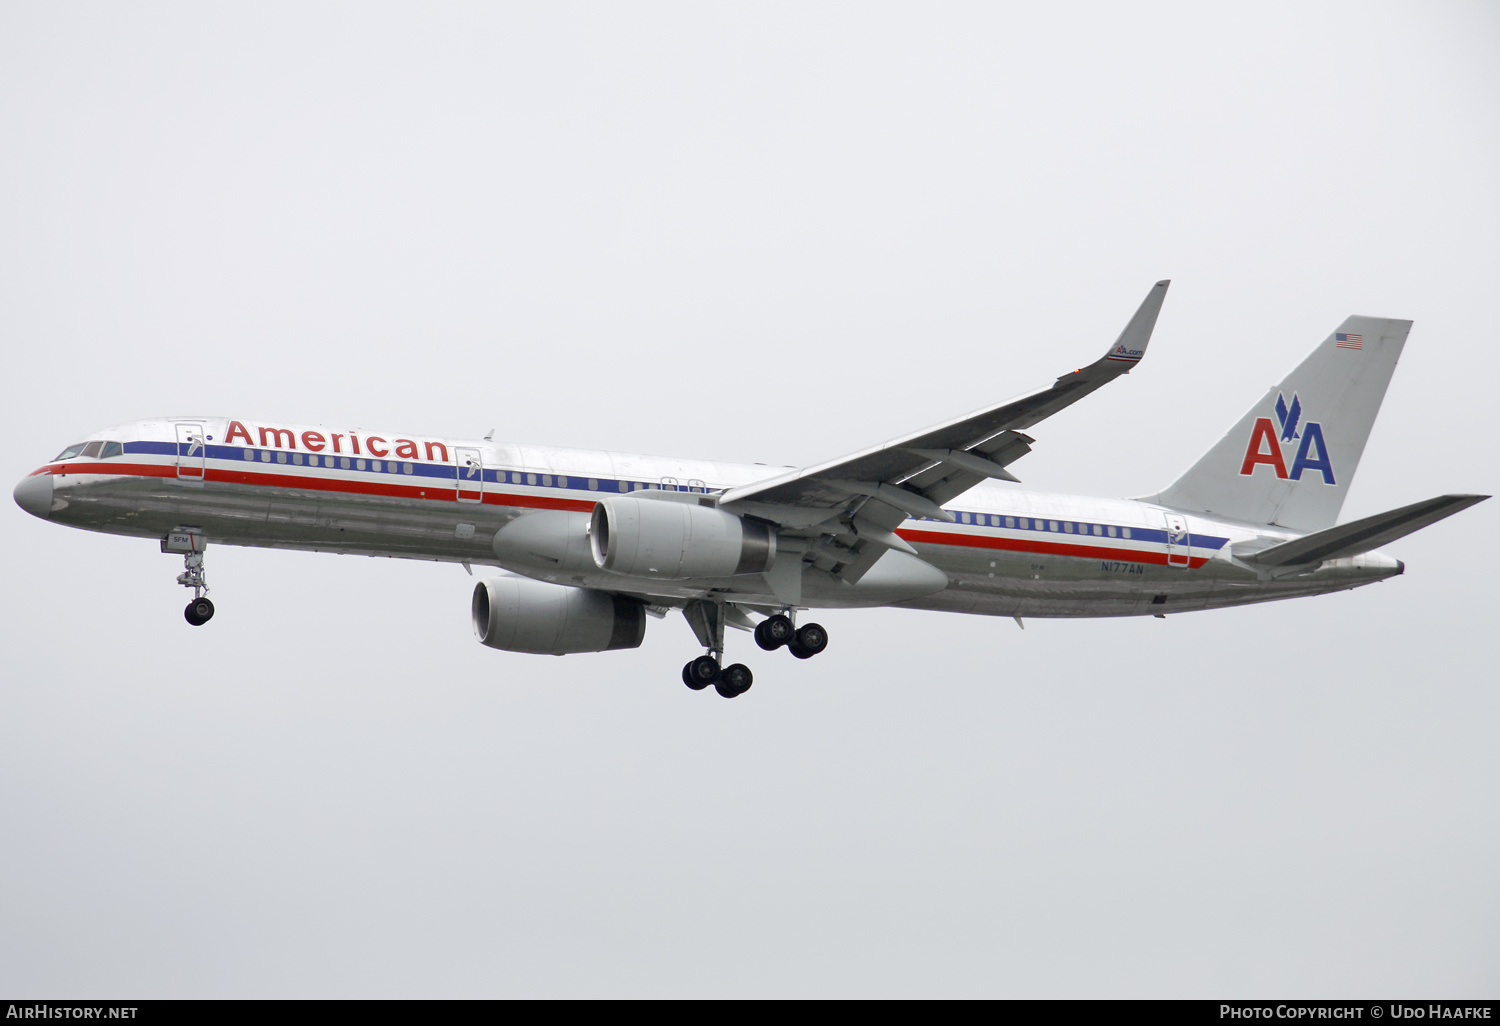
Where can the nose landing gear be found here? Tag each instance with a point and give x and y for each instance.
(191, 543)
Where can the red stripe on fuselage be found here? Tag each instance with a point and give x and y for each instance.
(108, 469)
(435, 493)
(974, 541)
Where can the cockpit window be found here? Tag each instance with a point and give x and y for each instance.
(93, 449)
(112, 449)
(70, 451)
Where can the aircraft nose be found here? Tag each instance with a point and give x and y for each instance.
(34, 495)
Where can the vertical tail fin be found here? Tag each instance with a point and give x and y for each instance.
(1290, 459)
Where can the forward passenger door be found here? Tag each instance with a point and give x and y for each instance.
(470, 472)
(191, 452)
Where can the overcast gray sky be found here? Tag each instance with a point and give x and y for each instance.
(759, 232)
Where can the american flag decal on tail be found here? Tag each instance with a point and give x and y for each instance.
(1349, 341)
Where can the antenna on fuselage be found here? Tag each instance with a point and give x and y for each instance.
(491, 436)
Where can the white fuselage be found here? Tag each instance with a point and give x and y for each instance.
(1011, 552)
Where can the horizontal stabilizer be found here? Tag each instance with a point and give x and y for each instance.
(1362, 535)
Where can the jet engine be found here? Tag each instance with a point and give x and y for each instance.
(676, 540)
(520, 615)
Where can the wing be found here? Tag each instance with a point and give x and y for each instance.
(848, 508)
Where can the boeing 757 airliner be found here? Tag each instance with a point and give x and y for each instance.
(590, 543)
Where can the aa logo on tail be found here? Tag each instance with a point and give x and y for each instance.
(1266, 444)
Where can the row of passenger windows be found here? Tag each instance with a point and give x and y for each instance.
(396, 466)
(344, 462)
(97, 449)
(594, 484)
(546, 481)
(1038, 524)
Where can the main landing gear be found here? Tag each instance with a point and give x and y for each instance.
(730, 682)
(804, 643)
(191, 544)
(708, 620)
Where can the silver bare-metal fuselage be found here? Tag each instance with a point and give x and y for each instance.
(1011, 552)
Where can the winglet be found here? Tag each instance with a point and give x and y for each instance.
(1131, 345)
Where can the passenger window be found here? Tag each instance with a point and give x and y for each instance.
(377, 466)
(531, 479)
(112, 449)
(359, 464)
(1111, 530)
(1125, 531)
(344, 462)
(1010, 521)
(562, 482)
(406, 468)
(249, 454)
(1068, 526)
(964, 517)
(1025, 524)
(593, 484)
(547, 480)
(1098, 530)
(624, 487)
(70, 451)
(281, 457)
(297, 458)
(1052, 524)
(265, 455)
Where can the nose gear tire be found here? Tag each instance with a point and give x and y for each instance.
(198, 612)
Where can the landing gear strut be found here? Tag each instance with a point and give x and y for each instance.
(191, 543)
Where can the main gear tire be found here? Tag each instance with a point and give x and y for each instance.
(734, 681)
(812, 639)
(773, 632)
(701, 672)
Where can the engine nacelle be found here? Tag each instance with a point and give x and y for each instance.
(520, 615)
(677, 540)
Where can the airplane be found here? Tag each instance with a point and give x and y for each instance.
(591, 543)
